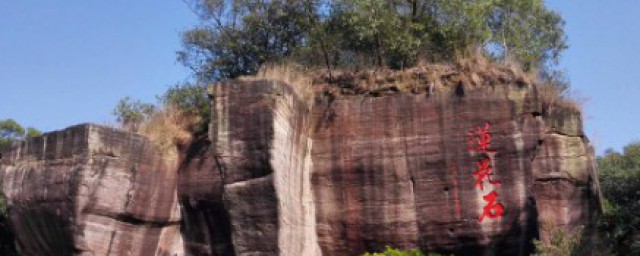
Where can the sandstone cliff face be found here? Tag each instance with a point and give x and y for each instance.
(91, 190)
(354, 174)
(259, 163)
(341, 176)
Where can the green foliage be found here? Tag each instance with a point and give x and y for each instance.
(238, 36)
(11, 131)
(526, 29)
(131, 113)
(33, 132)
(619, 227)
(560, 244)
(373, 28)
(620, 183)
(191, 99)
(395, 252)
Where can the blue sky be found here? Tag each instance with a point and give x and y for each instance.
(603, 62)
(67, 62)
(63, 64)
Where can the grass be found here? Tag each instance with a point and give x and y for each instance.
(291, 74)
(552, 98)
(170, 129)
(473, 70)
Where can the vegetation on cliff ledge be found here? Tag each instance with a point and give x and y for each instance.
(236, 37)
(340, 41)
(11, 131)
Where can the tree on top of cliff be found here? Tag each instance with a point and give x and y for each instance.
(131, 113)
(184, 99)
(182, 112)
(236, 37)
(11, 131)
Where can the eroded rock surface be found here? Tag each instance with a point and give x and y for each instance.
(91, 190)
(353, 174)
(341, 175)
(255, 174)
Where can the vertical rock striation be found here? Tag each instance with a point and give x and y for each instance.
(342, 176)
(398, 171)
(91, 190)
(260, 167)
(354, 173)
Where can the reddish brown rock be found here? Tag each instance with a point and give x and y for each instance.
(205, 221)
(354, 174)
(91, 190)
(256, 178)
(341, 176)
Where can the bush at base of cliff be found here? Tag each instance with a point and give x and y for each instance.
(620, 183)
(560, 244)
(395, 252)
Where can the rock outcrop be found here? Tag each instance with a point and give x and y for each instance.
(465, 170)
(353, 174)
(91, 190)
(259, 163)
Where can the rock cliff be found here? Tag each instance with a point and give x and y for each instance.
(463, 170)
(353, 174)
(91, 190)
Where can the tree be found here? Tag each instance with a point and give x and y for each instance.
(186, 100)
(528, 31)
(374, 28)
(620, 183)
(131, 113)
(190, 99)
(11, 131)
(237, 36)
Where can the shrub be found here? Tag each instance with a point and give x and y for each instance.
(189, 99)
(131, 113)
(560, 243)
(395, 252)
(170, 129)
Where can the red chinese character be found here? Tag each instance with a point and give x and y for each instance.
(481, 138)
(492, 210)
(484, 173)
